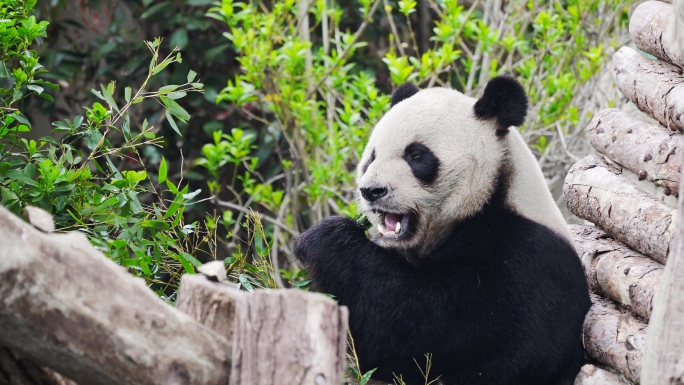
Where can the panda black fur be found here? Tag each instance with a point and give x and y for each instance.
(482, 274)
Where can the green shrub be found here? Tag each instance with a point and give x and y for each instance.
(93, 179)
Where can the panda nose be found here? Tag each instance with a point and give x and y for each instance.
(371, 194)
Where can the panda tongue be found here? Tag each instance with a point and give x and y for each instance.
(391, 221)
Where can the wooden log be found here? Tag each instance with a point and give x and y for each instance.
(651, 26)
(65, 306)
(653, 86)
(614, 337)
(664, 363)
(646, 149)
(16, 370)
(615, 271)
(596, 191)
(592, 375)
(664, 357)
(276, 334)
(210, 303)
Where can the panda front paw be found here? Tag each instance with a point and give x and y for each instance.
(332, 235)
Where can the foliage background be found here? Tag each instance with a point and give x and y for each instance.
(289, 93)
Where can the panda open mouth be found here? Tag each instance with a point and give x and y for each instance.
(393, 225)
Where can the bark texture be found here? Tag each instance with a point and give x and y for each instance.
(614, 337)
(617, 272)
(65, 306)
(275, 334)
(17, 371)
(650, 151)
(651, 26)
(664, 360)
(592, 375)
(654, 87)
(596, 191)
(210, 303)
(288, 334)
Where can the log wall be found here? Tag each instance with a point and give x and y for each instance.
(634, 232)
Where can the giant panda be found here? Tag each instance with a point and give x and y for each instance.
(469, 258)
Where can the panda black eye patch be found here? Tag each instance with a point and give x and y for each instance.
(423, 162)
(365, 166)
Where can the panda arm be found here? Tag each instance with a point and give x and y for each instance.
(330, 252)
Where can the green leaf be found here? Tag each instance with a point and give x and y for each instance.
(175, 109)
(183, 258)
(176, 95)
(21, 177)
(162, 170)
(179, 39)
(20, 118)
(172, 122)
(154, 9)
(244, 281)
(191, 76)
(160, 67)
(366, 377)
(166, 89)
(98, 94)
(161, 225)
(127, 95)
(192, 260)
(35, 88)
(192, 195)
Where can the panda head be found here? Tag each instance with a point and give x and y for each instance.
(433, 160)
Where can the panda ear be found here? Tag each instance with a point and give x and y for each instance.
(504, 99)
(403, 92)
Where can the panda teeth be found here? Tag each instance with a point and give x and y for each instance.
(382, 231)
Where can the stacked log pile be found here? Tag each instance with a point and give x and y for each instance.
(625, 252)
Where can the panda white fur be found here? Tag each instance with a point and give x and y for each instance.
(470, 259)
